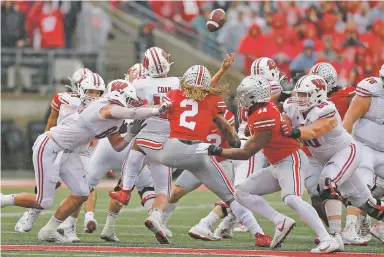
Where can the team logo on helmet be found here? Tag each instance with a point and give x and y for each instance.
(319, 84)
(145, 62)
(271, 64)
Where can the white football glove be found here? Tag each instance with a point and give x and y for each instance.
(202, 148)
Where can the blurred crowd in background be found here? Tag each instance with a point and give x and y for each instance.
(296, 34)
(54, 25)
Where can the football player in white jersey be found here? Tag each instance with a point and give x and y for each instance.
(317, 123)
(63, 105)
(105, 158)
(55, 154)
(366, 123)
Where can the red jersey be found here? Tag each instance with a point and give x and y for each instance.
(269, 118)
(51, 27)
(190, 119)
(215, 136)
(340, 99)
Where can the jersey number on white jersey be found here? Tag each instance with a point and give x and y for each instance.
(190, 113)
(311, 143)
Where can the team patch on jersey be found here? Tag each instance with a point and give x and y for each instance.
(149, 144)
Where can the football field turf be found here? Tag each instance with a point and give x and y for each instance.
(136, 240)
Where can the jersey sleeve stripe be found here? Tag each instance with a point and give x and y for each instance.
(65, 101)
(264, 121)
(363, 93)
(113, 101)
(264, 126)
(363, 89)
(166, 98)
(352, 92)
(328, 115)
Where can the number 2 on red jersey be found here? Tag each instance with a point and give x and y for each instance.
(193, 107)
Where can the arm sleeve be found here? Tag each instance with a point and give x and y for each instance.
(262, 122)
(55, 104)
(119, 112)
(228, 115)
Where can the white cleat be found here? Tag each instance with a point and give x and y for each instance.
(240, 228)
(20, 222)
(282, 229)
(69, 232)
(168, 232)
(90, 226)
(157, 227)
(377, 231)
(108, 234)
(339, 239)
(225, 228)
(350, 237)
(363, 227)
(1, 200)
(49, 235)
(202, 232)
(327, 246)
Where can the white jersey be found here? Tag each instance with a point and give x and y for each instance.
(369, 129)
(69, 103)
(78, 129)
(326, 146)
(153, 90)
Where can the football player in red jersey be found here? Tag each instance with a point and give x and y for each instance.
(342, 97)
(193, 108)
(286, 172)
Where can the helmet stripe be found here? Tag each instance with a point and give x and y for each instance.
(158, 59)
(200, 75)
(316, 67)
(257, 66)
(154, 60)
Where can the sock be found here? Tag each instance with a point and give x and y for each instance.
(256, 204)
(308, 214)
(132, 167)
(210, 220)
(350, 218)
(111, 217)
(156, 213)
(246, 218)
(228, 221)
(150, 196)
(148, 204)
(53, 223)
(334, 208)
(168, 212)
(7, 200)
(34, 211)
(89, 215)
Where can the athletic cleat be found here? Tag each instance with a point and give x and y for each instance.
(158, 229)
(108, 234)
(350, 237)
(282, 229)
(203, 233)
(338, 238)
(327, 246)
(123, 196)
(363, 227)
(168, 232)
(263, 240)
(378, 231)
(19, 224)
(48, 235)
(90, 226)
(69, 233)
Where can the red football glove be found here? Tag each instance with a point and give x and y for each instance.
(286, 129)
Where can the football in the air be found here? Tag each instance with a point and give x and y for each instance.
(215, 20)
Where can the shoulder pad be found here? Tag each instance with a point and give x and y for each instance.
(71, 100)
(323, 110)
(371, 86)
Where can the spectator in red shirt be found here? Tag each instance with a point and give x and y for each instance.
(251, 46)
(51, 26)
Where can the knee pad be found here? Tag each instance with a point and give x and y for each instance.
(146, 194)
(330, 193)
(377, 191)
(371, 211)
(224, 207)
(46, 203)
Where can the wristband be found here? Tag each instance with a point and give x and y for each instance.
(296, 133)
(214, 150)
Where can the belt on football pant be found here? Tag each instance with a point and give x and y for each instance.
(189, 142)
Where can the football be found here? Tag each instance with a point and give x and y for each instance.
(216, 20)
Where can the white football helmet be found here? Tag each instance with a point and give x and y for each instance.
(327, 72)
(156, 62)
(77, 77)
(124, 91)
(90, 82)
(198, 76)
(381, 74)
(266, 67)
(309, 91)
(253, 89)
(137, 71)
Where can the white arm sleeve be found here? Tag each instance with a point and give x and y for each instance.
(119, 112)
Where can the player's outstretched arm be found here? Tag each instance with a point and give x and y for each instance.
(251, 147)
(315, 130)
(113, 111)
(358, 107)
(119, 143)
(227, 62)
(228, 131)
